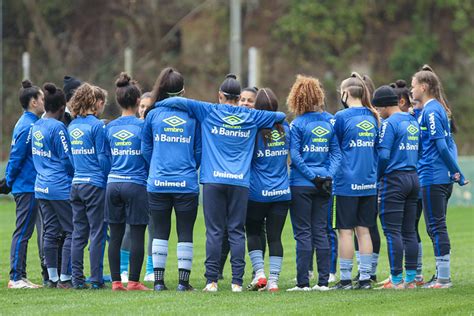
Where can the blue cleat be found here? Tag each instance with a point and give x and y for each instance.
(160, 287)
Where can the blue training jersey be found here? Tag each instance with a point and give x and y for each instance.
(20, 173)
(357, 132)
(228, 137)
(172, 146)
(434, 124)
(125, 137)
(269, 168)
(90, 151)
(52, 159)
(400, 135)
(314, 148)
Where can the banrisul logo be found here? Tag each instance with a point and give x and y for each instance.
(413, 131)
(320, 131)
(233, 121)
(38, 137)
(366, 126)
(123, 136)
(174, 121)
(76, 134)
(277, 139)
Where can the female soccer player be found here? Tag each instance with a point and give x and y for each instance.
(53, 162)
(407, 104)
(399, 186)
(126, 196)
(91, 156)
(315, 156)
(171, 144)
(269, 195)
(19, 179)
(437, 167)
(356, 180)
(248, 97)
(228, 134)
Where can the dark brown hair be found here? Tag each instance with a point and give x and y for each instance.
(266, 100)
(54, 98)
(427, 76)
(168, 84)
(127, 92)
(28, 91)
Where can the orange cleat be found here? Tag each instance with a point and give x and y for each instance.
(391, 286)
(136, 286)
(118, 286)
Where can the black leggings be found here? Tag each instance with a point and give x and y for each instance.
(185, 206)
(137, 250)
(273, 214)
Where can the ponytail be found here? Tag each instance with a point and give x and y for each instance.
(435, 88)
(356, 87)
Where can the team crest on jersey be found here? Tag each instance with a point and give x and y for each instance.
(38, 138)
(276, 139)
(366, 126)
(320, 131)
(174, 121)
(412, 129)
(76, 134)
(123, 135)
(232, 120)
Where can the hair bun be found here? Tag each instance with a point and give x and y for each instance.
(231, 76)
(50, 87)
(427, 67)
(26, 84)
(393, 85)
(401, 83)
(123, 80)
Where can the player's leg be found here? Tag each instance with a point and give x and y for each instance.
(51, 232)
(256, 213)
(410, 242)
(64, 213)
(319, 238)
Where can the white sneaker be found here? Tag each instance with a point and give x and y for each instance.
(210, 287)
(299, 289)
(33, 285)
(311, 275)
(259, 282)
(332, 278)
(20, 284)
(236, 288)
(320, 288)
(272, 286)
(150, 277)
(124, 277)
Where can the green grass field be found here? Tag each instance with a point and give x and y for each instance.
(458, 300)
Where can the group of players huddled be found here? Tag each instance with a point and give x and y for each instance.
(389, 152)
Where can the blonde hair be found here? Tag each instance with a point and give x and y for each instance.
(356, 87)
(85, 99)
(427, 76)
(306, 95)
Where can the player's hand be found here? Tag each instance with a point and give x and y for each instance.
(4, 188)
(459, 179)
(327, 186)
(318, 182)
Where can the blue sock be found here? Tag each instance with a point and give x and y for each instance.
(53, 274)
(159, 253)
(184, 252)
(357, 254)
(345, 266)
(410, 276)
(375, 262)
(256, 256)
(275, 268)
(396, 278)
(365, 266)
(419, 263)
(149, 265)
(124, 260)
(443, 264)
